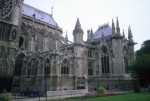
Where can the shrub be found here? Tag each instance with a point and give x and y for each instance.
(136, 86)
(5, 96)
(101, 90)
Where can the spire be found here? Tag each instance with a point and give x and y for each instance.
(92, 33)
(123, 34)
(52, 11)
(113, 27)
(117, 26)
(88, 34)
(129, 33)
(66, 39)
(77, 28)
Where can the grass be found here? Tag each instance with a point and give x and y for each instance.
(125, 97)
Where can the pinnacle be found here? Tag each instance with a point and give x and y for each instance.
(78, 27)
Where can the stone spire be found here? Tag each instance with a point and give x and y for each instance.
(117, 26)
(129, 33)
(123, 34)
(77, 28)
(130, 37)
(92, 33)
(66, 39)
(113, 27)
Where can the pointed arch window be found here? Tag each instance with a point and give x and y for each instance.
(47, 67)
(13, 36)
(3, 68)
(29, 70)
(90, 68)
(21, 41)
(19, 64)
(65, 67)
(90, 54)
(105, 60)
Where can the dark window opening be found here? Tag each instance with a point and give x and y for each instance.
(89, 54)
(65, 67)
(21, 40)
(47, 67)
(18, 64)
(90, 68)
(105, 60)
(14, 35)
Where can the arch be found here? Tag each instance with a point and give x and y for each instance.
(23, 24)
(19, 64)
(13, 35)
(47, 67)
(3, 68)
(105, 60)
(90, 68)
(21, 41)
(65, 66)
(29, 70)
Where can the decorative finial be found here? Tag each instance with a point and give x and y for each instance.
(117, 26)
(130, 35)
(123, 34)
(78, 27)
(113, 27)
(52, 11)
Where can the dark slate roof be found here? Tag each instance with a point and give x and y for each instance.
(104, 29)
(39, 15)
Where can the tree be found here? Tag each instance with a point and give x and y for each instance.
(141, 66)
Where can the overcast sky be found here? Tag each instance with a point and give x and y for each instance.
(93, 13)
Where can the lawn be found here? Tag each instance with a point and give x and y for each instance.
(125, 97)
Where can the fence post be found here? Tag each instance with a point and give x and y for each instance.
(39, 96)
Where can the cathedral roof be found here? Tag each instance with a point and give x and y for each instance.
(38, 15)
(104, 30)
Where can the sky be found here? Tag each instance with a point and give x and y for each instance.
(93, 13)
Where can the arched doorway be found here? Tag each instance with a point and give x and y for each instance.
(18, 64)
(17, 73)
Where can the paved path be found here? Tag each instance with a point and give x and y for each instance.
(44, 98)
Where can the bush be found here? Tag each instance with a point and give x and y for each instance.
(5, 96)
(101, 90)
(136, 86)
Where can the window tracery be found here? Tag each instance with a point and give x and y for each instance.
(6, 9)
(65, 67)
(90, 68)
(47, 67)
(105, 60)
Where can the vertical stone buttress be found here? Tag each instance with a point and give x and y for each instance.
(117, 50)
(131, 46)
(78, 48)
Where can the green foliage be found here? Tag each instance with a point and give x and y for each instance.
(122, 97)
(101, 90)
(140, 68)
(136, 86)
(5, 96)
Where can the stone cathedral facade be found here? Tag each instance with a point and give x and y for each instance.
(35, 55)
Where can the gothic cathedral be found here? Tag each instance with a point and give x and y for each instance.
(35, 55)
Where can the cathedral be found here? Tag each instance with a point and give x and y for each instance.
(35, 55)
